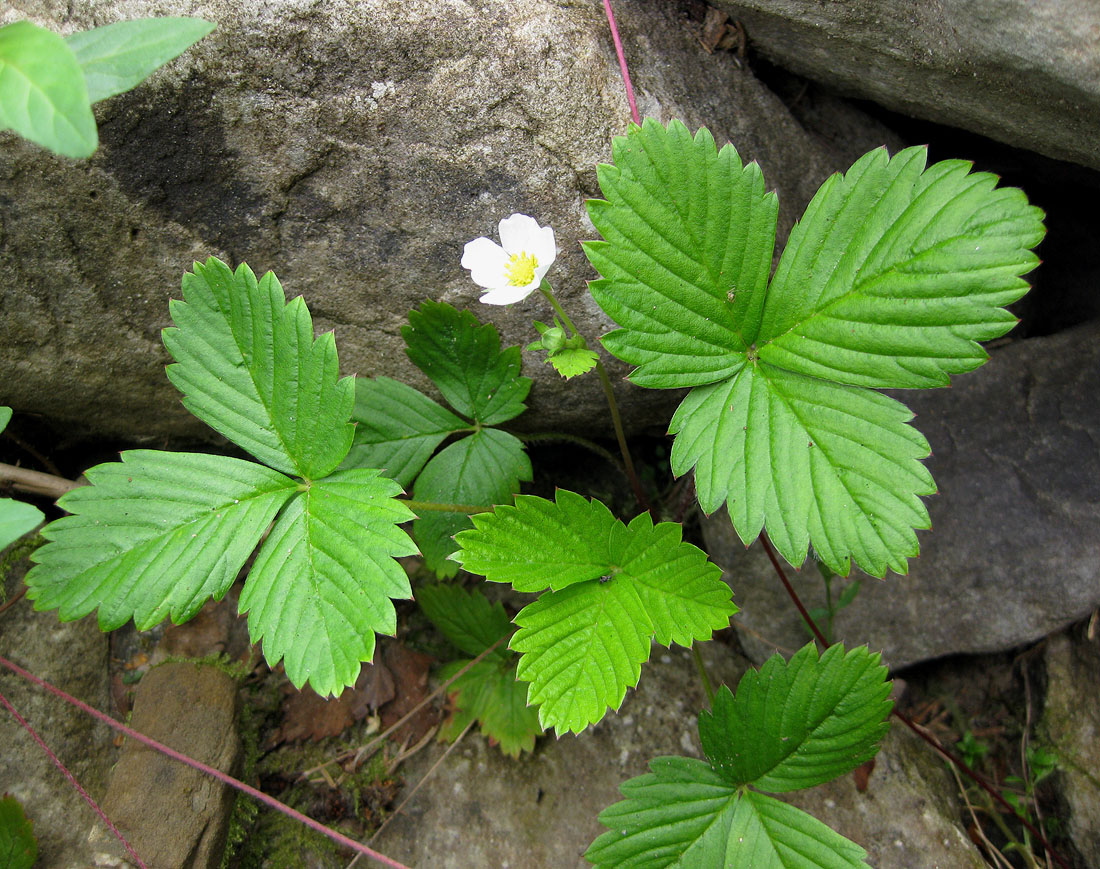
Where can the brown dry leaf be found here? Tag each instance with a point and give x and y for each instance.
(307, 715)
(862, 775)
(410, 676)
(373, 688)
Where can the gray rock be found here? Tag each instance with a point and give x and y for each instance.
(1071, 724)
(1013, 549)
(175, 817)
(72, 656)
(1019, 72)
(353, 148)
(481, 808)
(908, 816)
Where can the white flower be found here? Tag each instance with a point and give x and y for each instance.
(513, 269)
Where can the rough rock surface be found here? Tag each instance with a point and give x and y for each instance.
(1071, 724)
(1013, 549)
(1019, 72)
(908, 816)
(174, 816)
(353, 148)
(72, 656)
(481, 808)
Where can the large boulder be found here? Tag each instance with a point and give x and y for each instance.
(353, 148)
(1020, 72)
(1013, 549)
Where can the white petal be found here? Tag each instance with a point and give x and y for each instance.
(519, 233)
(508, 295)
(486, 261)
(543, 249)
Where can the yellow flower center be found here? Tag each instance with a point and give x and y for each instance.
(521, 269)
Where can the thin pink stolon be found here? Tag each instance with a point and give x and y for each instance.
(72, 780)
(622, 62)
(209, 770)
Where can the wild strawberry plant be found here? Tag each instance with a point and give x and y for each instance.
(891, 279)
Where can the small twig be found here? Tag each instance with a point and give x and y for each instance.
(32, 452)
(72, 780)
(412, 793)
(997, 857)
(14, 599)
(35, 482)
(359, 753)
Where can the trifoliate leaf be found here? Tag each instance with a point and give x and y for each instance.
(893, 275)
(323, 580)
(897, 271)
(16, 519)
(397, 428)
(810, 461)
(119, 56)
(615, 587)
(683, 814)
(467, 619)
(248, 365)
(689, 235)
(18, 847)
(483, 469)
(488, 691)
(464, 360)
(154, 536)
(42, 92)
(800, 723)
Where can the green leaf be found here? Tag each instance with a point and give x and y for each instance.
(809, 461)
(18, 847)
(467, 619)
(689, 233)
(483, 469)
(464, 360)
(897, 271)
(397, 428)
(16, 519)
(119, 56)
(615, 588)
(684, 814)
(5, 417)
(323, 580)
(42, 92)
(487, 692)
(155, 535)
(248, 365)
(800, 723)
